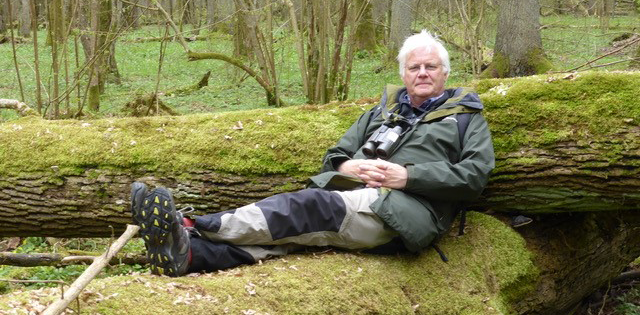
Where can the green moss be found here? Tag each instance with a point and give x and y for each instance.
(539, 61)
(543, 110)
(498, 68)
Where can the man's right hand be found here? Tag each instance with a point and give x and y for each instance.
(376, 173)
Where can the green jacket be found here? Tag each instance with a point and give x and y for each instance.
(443, 173)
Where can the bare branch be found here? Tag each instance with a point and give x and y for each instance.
(607, 54)
(22, 108)
(47, 259)
(92, 271)
(173, 25)
(139, 5)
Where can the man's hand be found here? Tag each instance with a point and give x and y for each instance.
(376, 173)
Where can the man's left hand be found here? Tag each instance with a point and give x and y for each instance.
(380, 173)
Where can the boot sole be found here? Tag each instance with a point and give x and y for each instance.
(138, 190)
(156, 226)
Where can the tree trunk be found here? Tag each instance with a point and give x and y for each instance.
(518, 49)
(4, 17)
(56, 31)
(101, 22)
(577, 254)
(212, 16)
(400, 28)
(366, 32)
(25, 19)
(380, 12)
(225, 11)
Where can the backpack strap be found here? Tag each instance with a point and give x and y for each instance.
(463, 122)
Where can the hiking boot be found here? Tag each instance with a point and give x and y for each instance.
(166, 239)
(138, 192)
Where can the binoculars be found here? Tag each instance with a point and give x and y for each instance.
(383, 142)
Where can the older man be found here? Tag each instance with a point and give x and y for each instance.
(394, 182)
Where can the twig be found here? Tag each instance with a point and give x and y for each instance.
(604, 299)
(614, 62)
(139, 5)
(13, 47)
(91, 272)
(607, 54)
(32, 281)
(173, 25)
(46, 259)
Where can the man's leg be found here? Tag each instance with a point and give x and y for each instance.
(311, 217)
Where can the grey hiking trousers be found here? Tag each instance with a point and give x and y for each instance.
(286, 222)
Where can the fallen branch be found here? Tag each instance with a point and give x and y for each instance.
(626, 276)
(146, 105)
(169, 38)
(605, 55)
(22, 108)
(47, 259)
(193, 56)
(92, 271)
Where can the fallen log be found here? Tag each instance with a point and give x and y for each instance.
(49, 259)
(559, 149)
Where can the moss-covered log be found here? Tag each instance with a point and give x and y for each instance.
(563, 145)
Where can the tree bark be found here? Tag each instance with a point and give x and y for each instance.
(577, 254)
(212, 16)
(366, 32)
(25, 19)
(518, 50)
(4, 17)
(400, 25)
(87, 206)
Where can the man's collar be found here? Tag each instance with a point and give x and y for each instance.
(425, 105)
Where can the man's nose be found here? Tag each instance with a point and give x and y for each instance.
(423, 71)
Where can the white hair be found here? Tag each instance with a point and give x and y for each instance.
(423, 39)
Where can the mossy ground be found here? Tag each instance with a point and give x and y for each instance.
(489, 267)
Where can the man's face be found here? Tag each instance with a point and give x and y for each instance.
(424, 75)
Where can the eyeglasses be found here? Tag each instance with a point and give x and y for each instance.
(427, 67)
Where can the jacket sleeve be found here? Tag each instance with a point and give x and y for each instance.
(462, 181)
(348, 145)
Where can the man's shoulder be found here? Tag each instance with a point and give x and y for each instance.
(464, 96)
